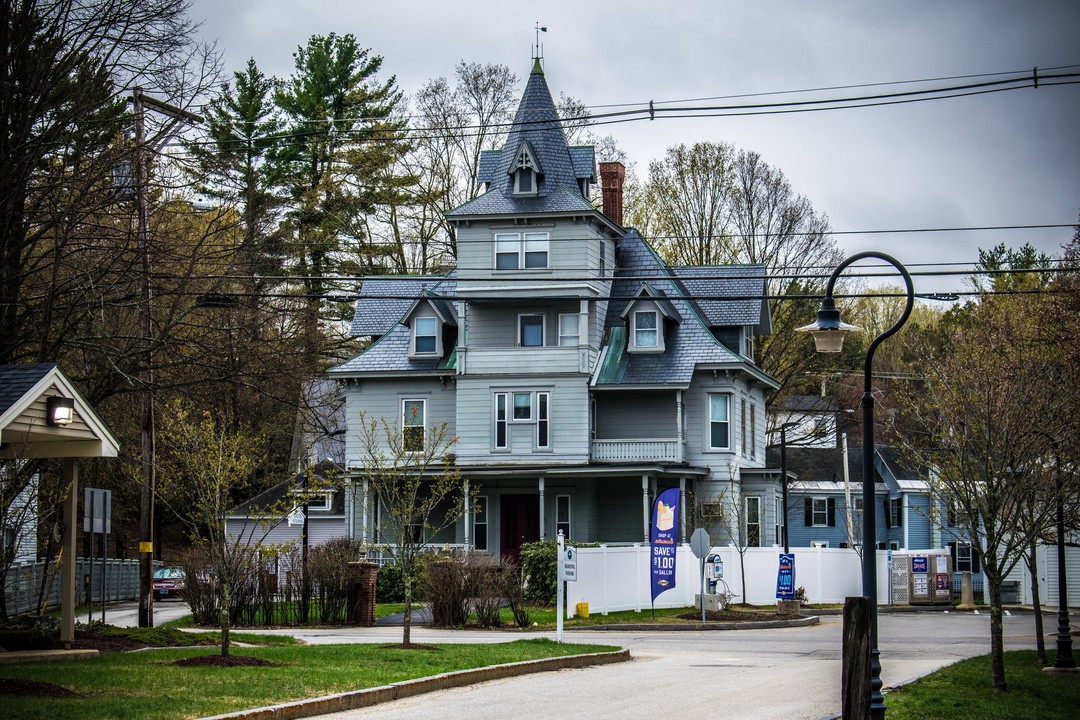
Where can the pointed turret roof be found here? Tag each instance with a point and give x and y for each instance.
(536, 127)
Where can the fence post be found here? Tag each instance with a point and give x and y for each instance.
(855, 672)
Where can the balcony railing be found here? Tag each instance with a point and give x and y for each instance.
(636, 450)
(537, 361)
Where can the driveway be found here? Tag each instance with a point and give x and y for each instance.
(783, 674)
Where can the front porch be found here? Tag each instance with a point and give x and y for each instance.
(509, 507)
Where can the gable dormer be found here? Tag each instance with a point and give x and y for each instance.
(525, 170)
(647, 317)
(430, 321)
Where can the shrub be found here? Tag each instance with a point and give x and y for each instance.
(539, 562)
(447, 588)
(328, 565)
(487, 588)
(29, 632)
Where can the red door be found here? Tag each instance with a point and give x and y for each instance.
(519, 518)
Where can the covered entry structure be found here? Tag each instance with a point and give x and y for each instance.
(42, 415)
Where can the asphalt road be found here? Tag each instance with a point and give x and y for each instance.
(781, 674)
(784, 674)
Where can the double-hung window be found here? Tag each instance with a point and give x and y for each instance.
(645, 329)
(522, 251)
(719, 425)
(425, 336)
(502, 430)
(569, 329)
(413, 416)
(562, 515)
(531, 330)
(745, 434)
(543, 420)
(820, 512)
(752, 505)
(480, 523)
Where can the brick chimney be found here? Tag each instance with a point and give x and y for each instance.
(611, 182)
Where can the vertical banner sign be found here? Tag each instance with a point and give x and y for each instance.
(785, 577)
(665, 521)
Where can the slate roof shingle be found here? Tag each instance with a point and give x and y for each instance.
(537, 124)
(16, 380)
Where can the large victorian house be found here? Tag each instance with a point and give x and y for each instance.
(580, 374)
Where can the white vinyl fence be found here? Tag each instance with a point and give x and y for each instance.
(612, 578)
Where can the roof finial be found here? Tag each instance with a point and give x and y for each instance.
(538, 49)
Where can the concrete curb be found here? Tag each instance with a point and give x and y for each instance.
(372, 696)
(762, 625)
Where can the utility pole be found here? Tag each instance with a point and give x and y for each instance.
(146, 375)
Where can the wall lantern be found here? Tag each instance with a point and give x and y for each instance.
(61, 411)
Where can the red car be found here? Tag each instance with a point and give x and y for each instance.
(168, 582)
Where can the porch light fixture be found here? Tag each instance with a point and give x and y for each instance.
(61, 411)
(829, 332)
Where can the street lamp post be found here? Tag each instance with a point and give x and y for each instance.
(783, 480)
(829, 332)
(1063, 661)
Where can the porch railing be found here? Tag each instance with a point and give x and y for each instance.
(636, 450)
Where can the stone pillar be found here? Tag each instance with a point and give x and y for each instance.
(360, 581)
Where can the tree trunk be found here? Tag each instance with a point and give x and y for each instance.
(997, 643)
(226, 602)
(1040, 640)
(406, 621)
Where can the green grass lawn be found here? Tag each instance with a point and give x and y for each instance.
(148, 685)
(963, 691)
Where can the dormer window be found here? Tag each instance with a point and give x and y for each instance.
(645, 322)
(525, 182)
(646, 329)
(646, 319)
(525, 170)
(426, 338)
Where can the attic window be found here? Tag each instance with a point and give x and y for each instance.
(525, 169)
(426, 340)
(646, 331)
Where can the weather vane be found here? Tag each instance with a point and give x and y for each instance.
(538, 49)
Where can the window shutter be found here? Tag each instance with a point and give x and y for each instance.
(899, 512)
(831, 504)
(952, 551)
(808, 512)
(975, 567)
(888, 515)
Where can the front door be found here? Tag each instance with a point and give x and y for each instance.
(520, 521)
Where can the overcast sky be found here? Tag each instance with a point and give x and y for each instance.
(1007, 158)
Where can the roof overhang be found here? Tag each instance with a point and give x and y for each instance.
(25, 432)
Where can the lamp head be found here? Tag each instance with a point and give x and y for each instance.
(61, 411)
(829, 330)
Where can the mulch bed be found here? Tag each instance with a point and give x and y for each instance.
(735, 616)
(33, 688)
(105, 643)
(216, 660)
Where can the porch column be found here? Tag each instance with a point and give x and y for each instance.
(67, 569)
(645, 507)
(679, 439)
(543, 534)
(468, 514)
(365, 513)
(682, 511)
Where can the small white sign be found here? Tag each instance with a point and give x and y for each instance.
(568, 564)
(296, 517)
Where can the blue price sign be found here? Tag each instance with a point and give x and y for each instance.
(918, 564)
(785, 577)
